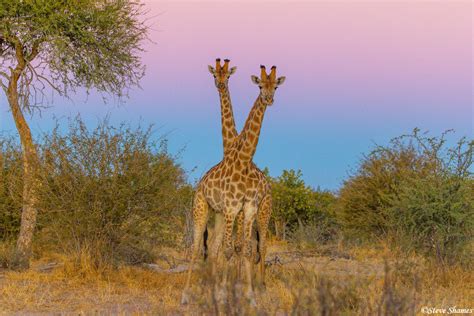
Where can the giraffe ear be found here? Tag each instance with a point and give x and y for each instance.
(280, 80)
(232, 70)
(211, 69)
(255, 79)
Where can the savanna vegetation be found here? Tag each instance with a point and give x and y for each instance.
(113, 224)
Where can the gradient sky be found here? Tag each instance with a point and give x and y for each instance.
(357, 73)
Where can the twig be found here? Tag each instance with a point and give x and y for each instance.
(178, 269)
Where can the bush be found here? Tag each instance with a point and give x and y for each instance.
(366, 195)
(10, 188)
(435, 216)
(114, 189)
(416, 191)
(304, 212)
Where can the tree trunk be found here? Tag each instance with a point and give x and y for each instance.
(30, 173)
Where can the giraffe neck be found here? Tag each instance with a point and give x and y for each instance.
(248, 138)
(229, 133)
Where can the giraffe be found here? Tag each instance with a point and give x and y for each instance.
(229, 187)
(221, 79)
(221, 76)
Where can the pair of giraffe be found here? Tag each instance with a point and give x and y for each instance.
(235, 187)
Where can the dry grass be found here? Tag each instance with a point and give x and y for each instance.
(79, 285)
(363, 284)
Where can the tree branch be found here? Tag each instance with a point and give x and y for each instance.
(16, 72)
(34, 50)
(4, 87)
(19, 52)
(41, 77)
(5, 75)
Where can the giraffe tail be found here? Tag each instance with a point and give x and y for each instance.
(257, 255)
(205, 236)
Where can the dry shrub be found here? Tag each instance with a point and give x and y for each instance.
(417, 191)
(113, 187)
(116, 188)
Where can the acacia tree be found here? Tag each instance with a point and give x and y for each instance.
(57, 46)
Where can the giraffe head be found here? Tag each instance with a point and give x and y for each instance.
(221, 73)
(267, 84)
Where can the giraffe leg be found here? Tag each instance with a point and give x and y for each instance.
(221, 291)
(200, 216)
(238, 243)
(240, 233)
(250, 211)
(263, 219)
(219, 235)
(228, 239)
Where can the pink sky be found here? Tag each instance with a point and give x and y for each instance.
(357, 73)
